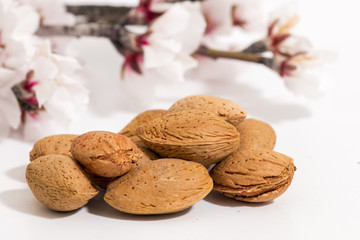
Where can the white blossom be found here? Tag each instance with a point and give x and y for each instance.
(17, 25)
(56, 89)
(222, 16)
(10, 113)
(31, 74)
(280, 37)
(52, 12)
(172, 38)
(305, 75)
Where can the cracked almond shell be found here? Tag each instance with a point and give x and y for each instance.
(159, 187)
(55, 144)
(59, 183)
(194, 135)
(105, 154)
(227, 109)
(256, 134)
(253, 176)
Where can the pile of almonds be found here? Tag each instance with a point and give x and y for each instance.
(163, 161)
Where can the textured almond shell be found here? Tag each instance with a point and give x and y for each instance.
(147, 153)
(227, 109)
(256, 134)
(59, 183)
(130, 129)
(253, 176)
(55, 144)
(159, 187)
(191, 135)
(105, 154)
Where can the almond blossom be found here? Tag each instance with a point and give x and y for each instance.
(280, 38)
(17, 25)
(170, 40)
(53, 82)
(222, 16)
(10, 113)
(303, 72)
(51, 12)
(35, 84)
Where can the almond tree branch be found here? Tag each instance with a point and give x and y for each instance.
(78, 30)
(243, 56)
(105, 14)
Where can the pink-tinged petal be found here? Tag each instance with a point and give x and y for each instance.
(66, 64)
(175, 70)
(248, 15)
(44, 73)
(160, 52)
(310, 78)
(60, 106)
(51, 12)
(41, 125)
(9, 107)
(191, 37)
(8, 78)
(172, 22)
(218, 16)
(293, 44)
(28, 21)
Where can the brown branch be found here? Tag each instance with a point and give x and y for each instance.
(243, 56)
(104, 14)
(78, 30)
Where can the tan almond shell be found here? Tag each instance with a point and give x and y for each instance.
(227, 109)
(147, 153)
(256, 175)
(256, 134)
(194, 135)
(59, 183)
(105, 154)
(55, 144)
(130, 129)
(159, 187)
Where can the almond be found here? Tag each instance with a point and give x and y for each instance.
(256, 175)
(105, 154)
(227, 109)
(161, 186)
(194, 135)
(256, 134)
(55, 144)
(144, 117)
(59, 183)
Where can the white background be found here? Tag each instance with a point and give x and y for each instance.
(322, 136)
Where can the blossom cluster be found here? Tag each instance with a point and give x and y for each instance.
(38, 89)
(167, 47)
(161, 42)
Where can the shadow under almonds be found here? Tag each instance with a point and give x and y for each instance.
(17, 173)
(218, 198)
(98, 206)
(22, 200)
(258, 105)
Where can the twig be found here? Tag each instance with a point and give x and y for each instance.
(256, 47)
(104, 14)
(78, 30)
(248, 57)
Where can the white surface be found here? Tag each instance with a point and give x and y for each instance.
(322, 137)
